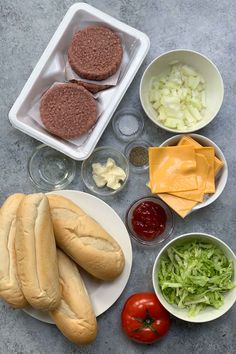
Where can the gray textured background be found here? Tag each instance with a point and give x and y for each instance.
(207, 26)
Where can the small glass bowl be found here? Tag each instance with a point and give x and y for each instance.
(101, 155)
(169, 222)
(49, 169)
(129, 147)
(127, 124)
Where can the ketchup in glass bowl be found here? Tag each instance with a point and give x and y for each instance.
(149, 220)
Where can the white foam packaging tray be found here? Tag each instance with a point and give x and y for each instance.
(50, 69)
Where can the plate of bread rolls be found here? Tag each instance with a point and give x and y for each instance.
(65, 258)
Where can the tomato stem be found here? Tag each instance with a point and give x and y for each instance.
(147, 323)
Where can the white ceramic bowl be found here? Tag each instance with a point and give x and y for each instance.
(209, 313)
(203, 65)
(222, 176)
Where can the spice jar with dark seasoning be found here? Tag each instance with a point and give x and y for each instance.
(137, 154)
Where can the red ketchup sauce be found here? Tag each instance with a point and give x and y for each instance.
(148, 220)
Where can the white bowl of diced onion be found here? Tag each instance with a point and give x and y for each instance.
(181, 91)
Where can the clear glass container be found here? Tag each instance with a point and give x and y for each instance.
(137, 166)
(101, 155)
(49, 169)
(169, 226)
(127, 124)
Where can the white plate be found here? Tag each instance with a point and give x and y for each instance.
(102, 294)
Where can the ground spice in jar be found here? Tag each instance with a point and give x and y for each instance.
(138, 156)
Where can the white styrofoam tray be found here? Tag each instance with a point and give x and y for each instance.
(50, 69)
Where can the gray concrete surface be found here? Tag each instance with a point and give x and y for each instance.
(206, 26)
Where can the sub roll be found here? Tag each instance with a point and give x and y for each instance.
(36, 253)
(10, 288)
(74, 316)
(84, 240)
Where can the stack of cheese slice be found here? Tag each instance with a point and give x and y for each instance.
(181, 175)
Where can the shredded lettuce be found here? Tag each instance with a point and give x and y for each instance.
(194, 275)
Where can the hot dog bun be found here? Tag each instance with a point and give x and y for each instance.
(36, 253)
(84, 240)
(74, 316)
(10, 288)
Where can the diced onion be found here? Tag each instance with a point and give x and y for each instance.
(179, 97)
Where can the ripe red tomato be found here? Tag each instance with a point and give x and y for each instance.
(144, 319)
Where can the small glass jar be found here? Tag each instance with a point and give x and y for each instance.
(169, 222)
(101, 155)
(127, 124)
(137, 155)
(49, 169)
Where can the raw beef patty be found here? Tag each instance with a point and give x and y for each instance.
(68, 110)
(95, 53)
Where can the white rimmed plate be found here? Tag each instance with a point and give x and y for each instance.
(102, 294)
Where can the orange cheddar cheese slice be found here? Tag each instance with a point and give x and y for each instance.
(209, 154)
(218, 165)
(172, 169)
(187, 140)
(202, 172)
(180, 205)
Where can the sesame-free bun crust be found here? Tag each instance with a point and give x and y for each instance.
(74, 316)
(36, 253)
(85, 240)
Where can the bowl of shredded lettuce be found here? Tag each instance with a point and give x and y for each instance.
(194, 277)
(181, 91)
